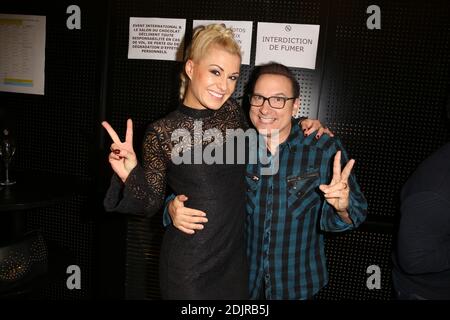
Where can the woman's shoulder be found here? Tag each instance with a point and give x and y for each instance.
(165, 125)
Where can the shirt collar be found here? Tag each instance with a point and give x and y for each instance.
(295, 136)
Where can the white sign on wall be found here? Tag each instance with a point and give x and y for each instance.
(22, 53)
(294, 45)
(156, 38)
(242, 33)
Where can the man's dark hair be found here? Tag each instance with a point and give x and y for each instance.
(276, 69)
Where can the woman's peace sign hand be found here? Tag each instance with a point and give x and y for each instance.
(122, 157)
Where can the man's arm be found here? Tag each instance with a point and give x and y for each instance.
(183, 218)
(423, 244)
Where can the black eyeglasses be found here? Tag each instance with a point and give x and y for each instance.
(275, 102)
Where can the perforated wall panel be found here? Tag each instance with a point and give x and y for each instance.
(69, 236)
(54, 132)
(350, 259)
(381, 91)
(384, 91)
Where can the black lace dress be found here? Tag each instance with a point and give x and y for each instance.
(211, 264)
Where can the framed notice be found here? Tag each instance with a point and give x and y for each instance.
(22, 53)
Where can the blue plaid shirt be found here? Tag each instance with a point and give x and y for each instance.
(286, 213)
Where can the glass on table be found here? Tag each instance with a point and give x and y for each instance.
(7, 150)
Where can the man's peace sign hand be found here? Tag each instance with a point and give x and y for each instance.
(122, 157)
(337, 193)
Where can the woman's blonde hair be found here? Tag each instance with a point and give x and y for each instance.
(204, 37)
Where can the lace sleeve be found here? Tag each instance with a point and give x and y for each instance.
(154, 162)
(143, 191)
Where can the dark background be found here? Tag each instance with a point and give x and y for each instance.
(382, 91)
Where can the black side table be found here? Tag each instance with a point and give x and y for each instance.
(34, 189)
(23, 255)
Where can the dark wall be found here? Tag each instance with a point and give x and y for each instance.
(58, 134)
(382, 91)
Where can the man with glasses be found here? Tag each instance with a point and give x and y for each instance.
(307, 194)
(286, 212)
